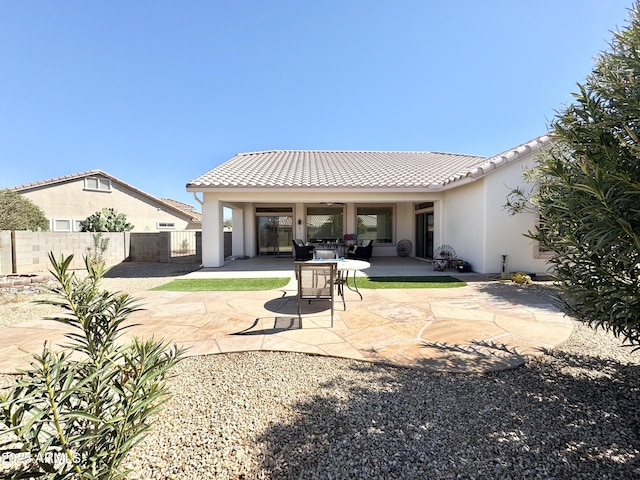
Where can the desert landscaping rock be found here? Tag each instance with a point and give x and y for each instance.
(570, 414)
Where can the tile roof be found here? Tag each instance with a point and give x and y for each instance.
(185, 207)
(171, 204)
(327, 169)
(352, 169)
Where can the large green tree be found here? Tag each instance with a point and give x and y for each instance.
(589, 191)
(20, 213)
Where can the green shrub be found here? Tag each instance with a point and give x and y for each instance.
(588, 192)
(106, 220)
(80, 410)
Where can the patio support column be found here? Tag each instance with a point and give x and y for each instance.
(299, 230)
(237, 245)
(212, 232)
(351, 223)
(439, 224)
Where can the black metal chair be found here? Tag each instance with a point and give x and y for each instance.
(301, 251)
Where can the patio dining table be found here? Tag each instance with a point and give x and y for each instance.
(344, 267)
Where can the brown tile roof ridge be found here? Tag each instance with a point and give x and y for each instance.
(178, 204)
(63, 178)
(185, 207)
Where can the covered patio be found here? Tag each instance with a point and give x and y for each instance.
(484, 326)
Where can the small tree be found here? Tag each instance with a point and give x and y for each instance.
(20, 213)
(588, 192)
(96, 251)
(107, 220)
(79, 411)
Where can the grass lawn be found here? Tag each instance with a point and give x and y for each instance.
(408, 282)
(223, 284)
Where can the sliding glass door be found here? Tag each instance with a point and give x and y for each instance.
(275, 234)
(424, 235)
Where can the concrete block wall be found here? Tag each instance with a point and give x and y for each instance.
(32, 249)
(150, 247)
(28, 252)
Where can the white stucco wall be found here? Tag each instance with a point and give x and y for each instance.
(464, 214)
(505, 232)
(480, 229)
(298, 199)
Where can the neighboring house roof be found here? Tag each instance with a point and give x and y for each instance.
(185, 207)
(170, 204)
(353, 169)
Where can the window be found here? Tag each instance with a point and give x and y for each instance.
(97, 183)
(540, 250)
(325, 223)
(165, 225)
(375, 223)
(61, 225)
(76, 225)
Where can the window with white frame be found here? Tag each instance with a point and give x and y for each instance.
(540, 250)
(97, 183)
(325, 223)
(166, 225)
(61, 224)
(375, 223)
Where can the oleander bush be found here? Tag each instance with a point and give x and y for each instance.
(79, 410)
(588, 192)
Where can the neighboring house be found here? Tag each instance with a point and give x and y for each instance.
(68, 200)
(429, 198)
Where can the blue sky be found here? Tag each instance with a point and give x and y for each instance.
(158, 92)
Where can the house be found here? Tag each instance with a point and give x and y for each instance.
(428, 198)
(68, 200)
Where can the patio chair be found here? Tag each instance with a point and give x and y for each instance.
(361, 252)
(301, 251)
(316, 281)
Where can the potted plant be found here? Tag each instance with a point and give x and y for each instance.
(462, 266)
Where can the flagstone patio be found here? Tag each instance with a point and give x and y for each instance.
(484, 326)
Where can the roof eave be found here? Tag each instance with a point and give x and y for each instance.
(262, 189)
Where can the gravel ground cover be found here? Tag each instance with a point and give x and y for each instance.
(572, 413)
(17, 304)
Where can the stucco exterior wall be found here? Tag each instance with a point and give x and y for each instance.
(402, 201)
(505, 232)
(404, 227)
(463, 216)
(70, 200)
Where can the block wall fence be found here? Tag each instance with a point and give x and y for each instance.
(24, 252)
